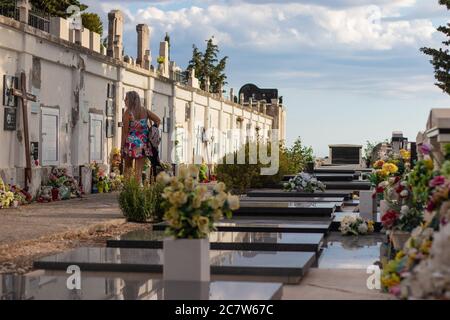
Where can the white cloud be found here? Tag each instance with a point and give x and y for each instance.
(292, 25)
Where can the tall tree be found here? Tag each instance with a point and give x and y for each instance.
(440, 58)
(207, 65)
(58, 8)
(92, 22)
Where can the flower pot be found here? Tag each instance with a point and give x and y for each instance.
(384, 206)
(399, 239)
(186, 260)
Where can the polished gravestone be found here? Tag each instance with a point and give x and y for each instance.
(141, 287)
(279, 209)
(287, 266)
(328, 176)
(255, 241)
(281, 193)
(267, 225)
(293, 199)
(348, 185)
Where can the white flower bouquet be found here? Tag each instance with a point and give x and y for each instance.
(190, 210)
(352, 225)
(304, 182)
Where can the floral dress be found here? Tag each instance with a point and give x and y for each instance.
(136, 145)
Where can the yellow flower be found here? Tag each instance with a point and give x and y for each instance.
(429, 164)
(382, 173)
(201, 222)
(163, 178)
(217, 215)
(196, 202)
(390, 168)
(220, 187)
(178, 198)
(405, 154)
(399, 255)
(193, 171)
(189, 184)
(233, 202)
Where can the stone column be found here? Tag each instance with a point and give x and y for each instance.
(24, 7)
(164, 53)
(143, 40)
(207, 84)
(193, 81)
(115, 34)
(231, 94)
(241, 99)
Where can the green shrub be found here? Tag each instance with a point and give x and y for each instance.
(241, 177)
(140, 203)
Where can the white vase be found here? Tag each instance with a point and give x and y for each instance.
(367, 204)
(186, 260)
(384, 206)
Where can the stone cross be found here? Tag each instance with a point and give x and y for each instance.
(24, 97)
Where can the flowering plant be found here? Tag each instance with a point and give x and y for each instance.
(416, 249)
(304, 182)
(6, 196)
(351, 225)
(189, 210)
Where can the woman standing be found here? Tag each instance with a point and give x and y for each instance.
(135, 131)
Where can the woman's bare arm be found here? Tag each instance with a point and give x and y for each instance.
(153, 117)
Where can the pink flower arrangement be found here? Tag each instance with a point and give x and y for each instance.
(425, 149)
(437, 181)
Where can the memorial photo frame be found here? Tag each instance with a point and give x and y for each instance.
(110, 128)
(10, 119)
(9, 83)
(111, 91)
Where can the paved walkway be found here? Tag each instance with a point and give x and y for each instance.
(44, 219)
(331, 284)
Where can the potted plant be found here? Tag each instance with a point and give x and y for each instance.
(190, 213)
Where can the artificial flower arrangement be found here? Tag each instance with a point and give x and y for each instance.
(6, 196)
(100, 179)
(190, 210)
(422, 268)
(60, 186)
(352, 225)
(392, 165)
(304, 182)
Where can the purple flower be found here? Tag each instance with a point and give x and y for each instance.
(437, 181)
(425, 148)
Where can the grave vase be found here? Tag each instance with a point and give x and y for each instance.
(384, 206)
(399, 239)
(186, 260)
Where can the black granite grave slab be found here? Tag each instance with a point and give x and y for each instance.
(293, 199)
(226, 240)
(223, 262)
(141, 287)
(279, 209)
(281, 193)
(327, 176)
(348, 185)
(269, 225)
(246, 200)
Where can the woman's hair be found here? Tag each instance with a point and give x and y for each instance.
(134, 102)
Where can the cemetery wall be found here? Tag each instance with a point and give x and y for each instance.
(80, 93)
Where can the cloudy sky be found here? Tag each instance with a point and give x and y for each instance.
(348, 70)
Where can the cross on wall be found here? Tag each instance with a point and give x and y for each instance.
(24, 97)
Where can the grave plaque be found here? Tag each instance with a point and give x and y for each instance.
(9, 83)
(35, 150)
(110, 108)
(111, 90)
(9, 122)
(110, 130)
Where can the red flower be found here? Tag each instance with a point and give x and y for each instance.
(399, 189)
(380, 189)
(389, 218)
(431, 205)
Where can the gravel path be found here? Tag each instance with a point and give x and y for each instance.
(39, 230)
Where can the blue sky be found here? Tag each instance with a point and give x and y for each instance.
(349, 70)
